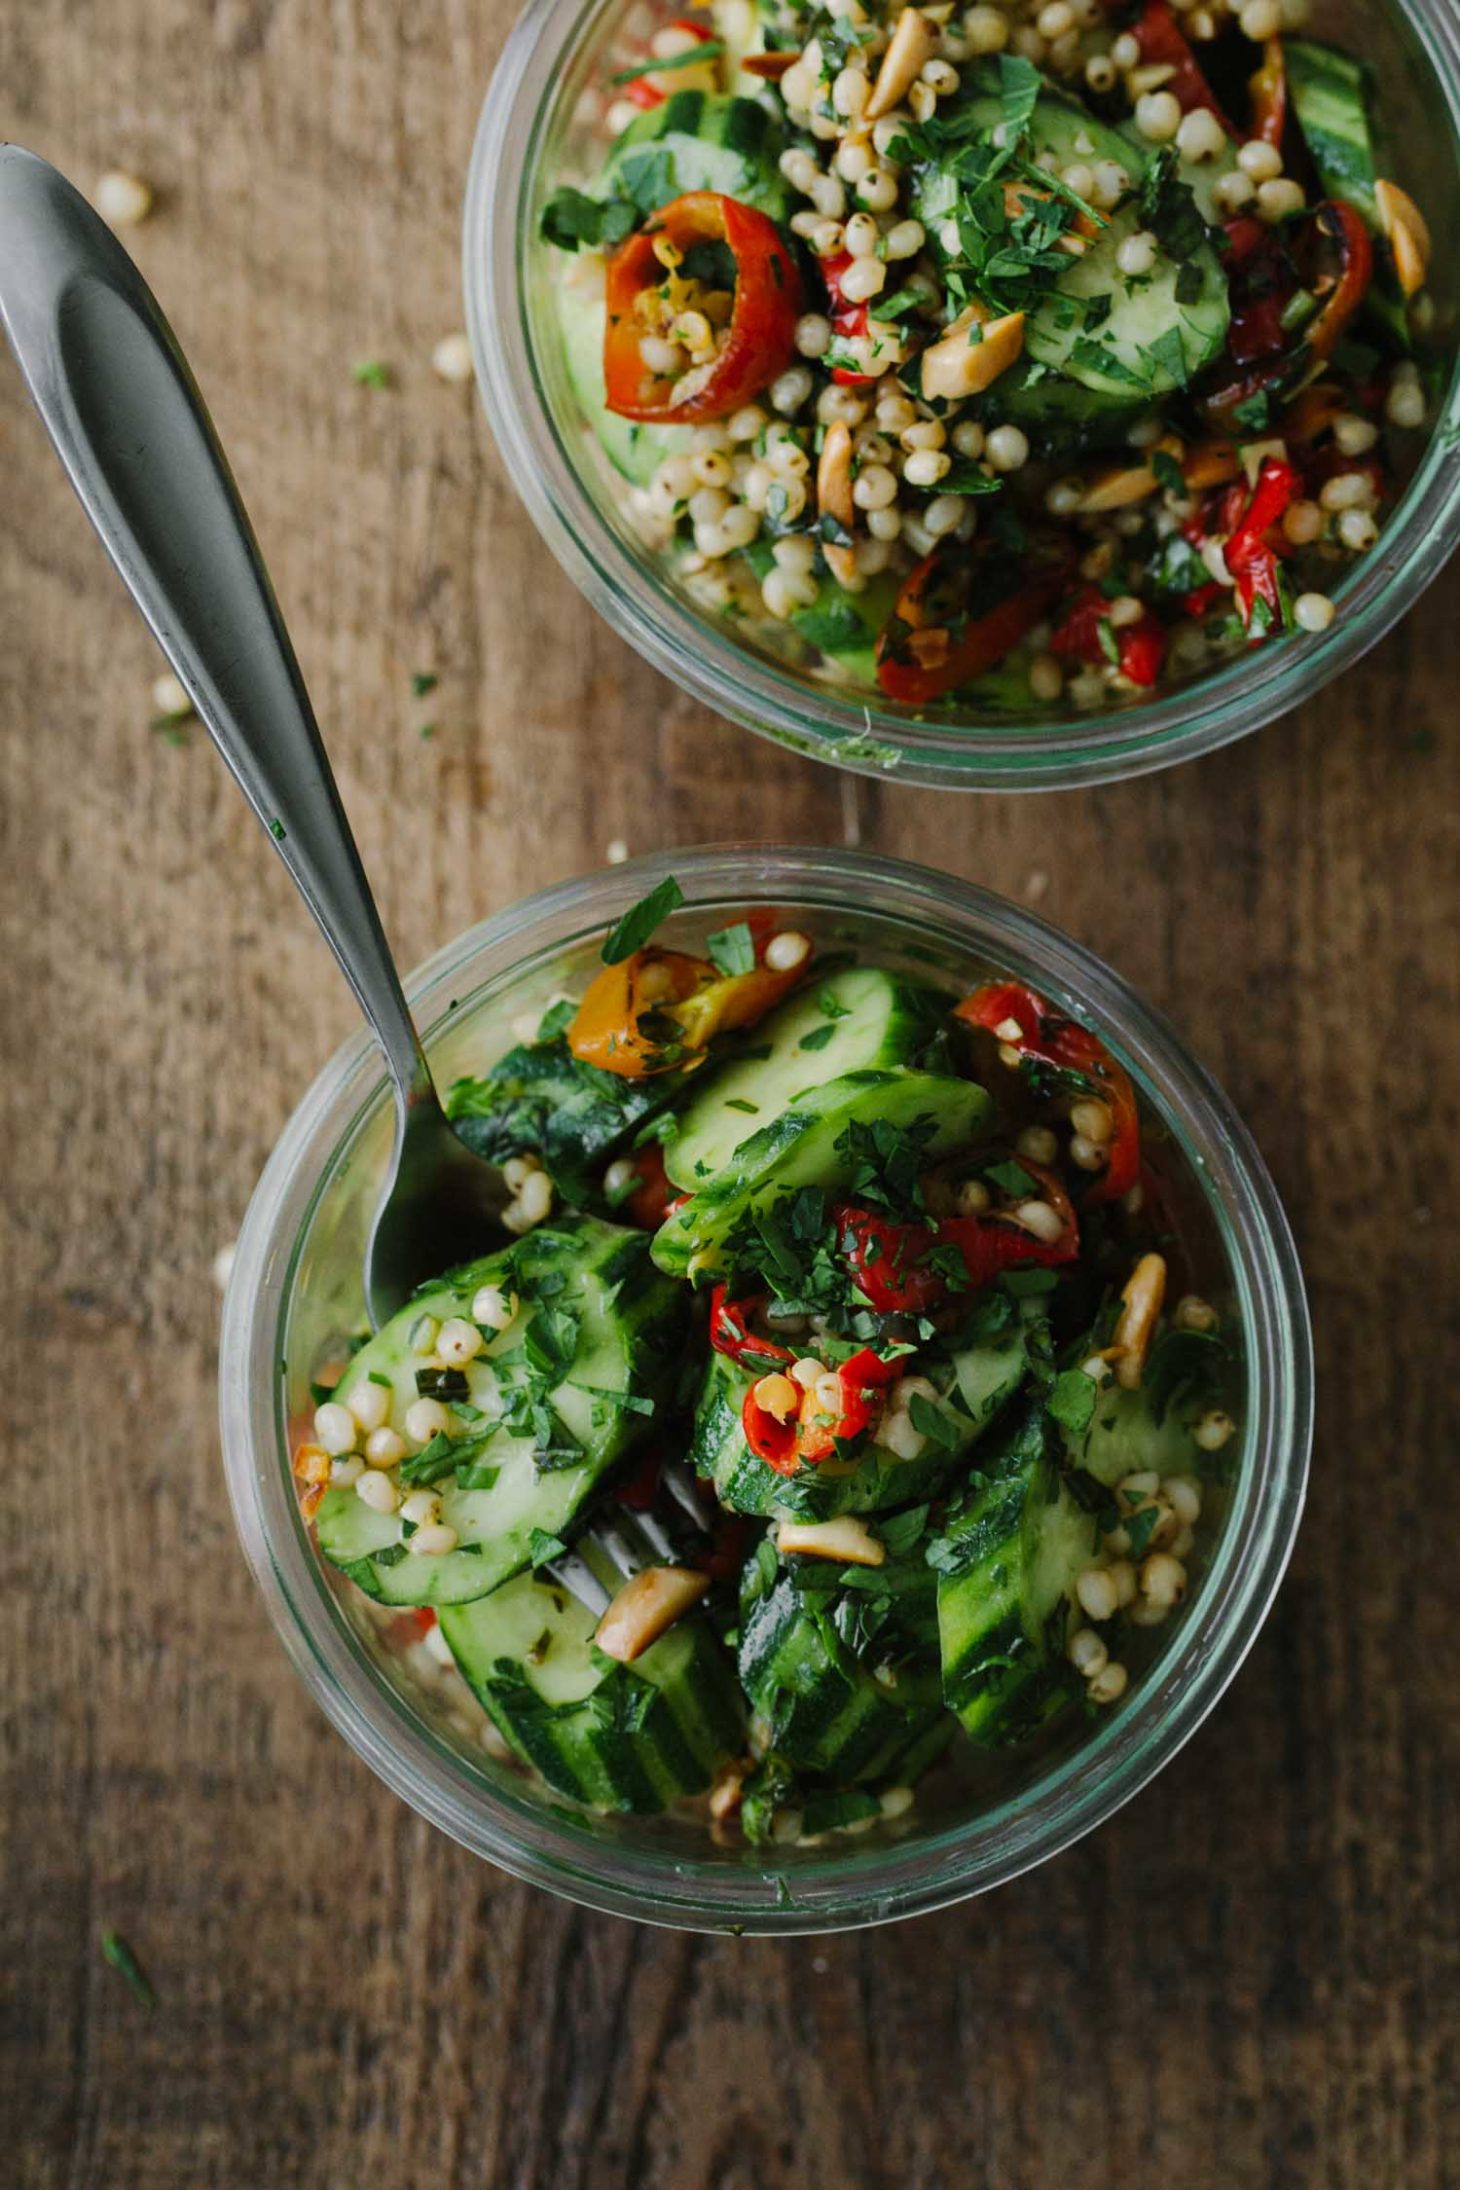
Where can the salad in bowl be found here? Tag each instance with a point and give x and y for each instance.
(1049, 351)
(1029, 392)
(850, 1431)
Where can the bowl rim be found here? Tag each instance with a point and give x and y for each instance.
(861, 1885)
(702, 657)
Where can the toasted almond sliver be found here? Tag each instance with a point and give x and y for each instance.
(846, 1539)
(645, 1607)
(834, 475)
(954, 367)
(771, 66)
(1144, 1292)
(913, 42)
(1408, 232)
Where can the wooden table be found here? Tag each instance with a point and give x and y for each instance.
(1252, 1976)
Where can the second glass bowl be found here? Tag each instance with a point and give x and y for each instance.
(533, 135)
(295, 1293)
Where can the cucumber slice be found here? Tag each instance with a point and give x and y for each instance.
(1060, 417)
(584, 1285)
(842, 1664)
(1126, 1437)
(1127, 341)
(985, 1376)
(700, 140)
(1329, 91)
(540, 1097)
(1007, 1558)
(618, 1737)
(811, 1144)
(632, 447)
(860, 1019)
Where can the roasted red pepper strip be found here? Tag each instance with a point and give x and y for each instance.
(1046, 1037)
(1252, 557)
(730, 1332)
(890, 1260)
(849, 321)
(1329, 253)
(1140, 648)
(760, 341)
(939, 639)
(1163, 44)
(809, 1435)
(1269, 89)
(654, 89)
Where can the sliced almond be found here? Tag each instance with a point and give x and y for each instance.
(1145, 1290)
(914, 41)
(954, 367)
(1210, 464)
(834, 498)
(1408, 232)
(645, 1607)
(847, 1540)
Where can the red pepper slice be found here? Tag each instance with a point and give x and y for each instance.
(809, 1436)
(1140, 647)
(1269, 89)
(1330, 254)
(940, 637)
(1252, 557)
(730, 1332)
(1046, 1037)
(648, 1204)
(1163, 44)
(890, 1260)
(760, 341)
(849, 321)
(652, 90)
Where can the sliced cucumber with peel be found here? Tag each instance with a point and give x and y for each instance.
(1130, 354)
(590, 1279)
(619, 1737)
(858, 1019)
(811, 1143)
(843, 1675)
(1007, 1560)
(700, 140)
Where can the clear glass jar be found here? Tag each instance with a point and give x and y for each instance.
(532, 137)
(295, 1292)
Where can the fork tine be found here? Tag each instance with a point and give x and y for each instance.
(578, 1578)
(684, 1488)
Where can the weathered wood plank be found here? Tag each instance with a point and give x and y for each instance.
(1250, 1977)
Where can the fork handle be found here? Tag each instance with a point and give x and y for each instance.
(136, 440)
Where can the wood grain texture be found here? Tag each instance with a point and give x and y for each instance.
(1252, 1976)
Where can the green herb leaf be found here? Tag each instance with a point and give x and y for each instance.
(706, 50)
(423, 681)
(1071, 1400)
(541, 1548)
(571, 218)
(817, 1038)
(930, 1421)
(370, 372)
(116, 1952)
(639, 922)
(732, 950)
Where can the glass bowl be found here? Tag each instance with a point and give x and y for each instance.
(533, 136)
(295, 1292)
